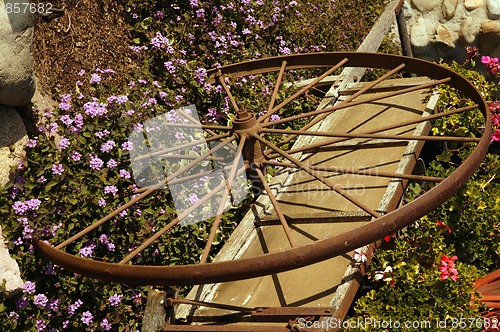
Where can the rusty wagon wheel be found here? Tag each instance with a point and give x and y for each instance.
(258, 137)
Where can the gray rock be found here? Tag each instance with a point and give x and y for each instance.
(493, 7)
(489, 36)
(10, 276)
(16, 61)
(426, 5)
(449, 8)
(13, 139)
(418, 34)
(468, 30)
(473, 4)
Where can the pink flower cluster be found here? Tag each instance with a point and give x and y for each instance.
(495, 116)
(492, 64)
(447, 268)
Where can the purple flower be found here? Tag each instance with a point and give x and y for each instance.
(108, 146)
(21, 302)
(29, 287)
(200, 13)
(101, 202)
(31, 143)
(87, 318)
(115, 300)
(81, 72)
(94, 108)
(53, 127)
(13, 316)
(19, 207)
(95, 78)
(111, 163)
(95, 162)
(193, 198)
(57, 169)
(102, 133)
(64, 143)
(75, 156)
(103, 238)
(54, 305)
(137, 298)
(124, 174)
(64, 104)
(110, 190)
(159, 41)
(200, 75)
(87, 251)
(159, 15)
(274, 117)
(73, 307)
(40, 300)
(193, 3)
(42, 179)
(127, 146)
(41, 325)
(33, 204)
(48, 270)
(105, 325)
(169, 65)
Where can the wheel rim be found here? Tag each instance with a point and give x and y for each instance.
(248, 130)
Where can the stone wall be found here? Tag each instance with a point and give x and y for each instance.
(17, 85)
(443, 28)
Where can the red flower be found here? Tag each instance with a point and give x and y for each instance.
(447, 268)
(443, 226)
(387, 238)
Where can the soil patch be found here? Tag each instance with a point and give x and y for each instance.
(86, 34)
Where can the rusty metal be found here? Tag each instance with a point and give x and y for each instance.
(320, 250)
(222, 203)
(389, 127)
(230, 328)
(354, 103)
(277, 208)
(365, 172)
(259, 311)
(349, 99)
(372, 136)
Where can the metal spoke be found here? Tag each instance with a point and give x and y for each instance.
(301, 91)
(389, 127)
(174, 222)
(276, 89)
(366, 172)
(180, 156)
(193, 120)
(277, 208)
(374, 136)
(178, 180)
(350, 98)
(229, 94)
(222, 203)
(355, 103)
(182, 146)
(143, 195)
(196, 125)
(319, 176)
